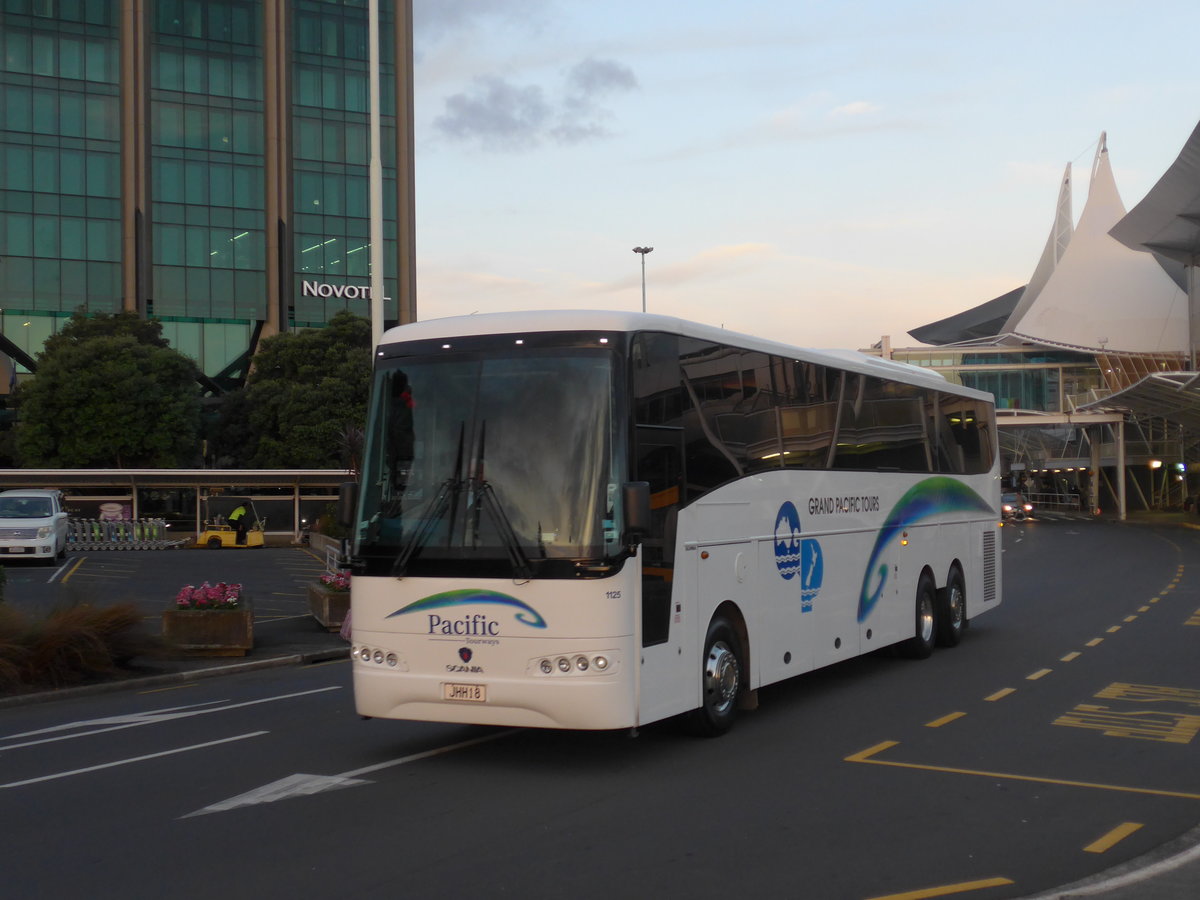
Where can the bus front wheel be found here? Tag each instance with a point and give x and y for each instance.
(920, 645)
(721, 677)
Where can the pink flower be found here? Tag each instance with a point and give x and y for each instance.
(209, 596)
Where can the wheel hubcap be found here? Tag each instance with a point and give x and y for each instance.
(956, 607)
(720, 678)
(926, 618)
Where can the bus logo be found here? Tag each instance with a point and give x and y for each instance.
(798, 556)
(525, 614)
(464, 653)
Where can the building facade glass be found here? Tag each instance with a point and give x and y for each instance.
(138, 159)
(207, 177)
(60, 171)
(331, 146)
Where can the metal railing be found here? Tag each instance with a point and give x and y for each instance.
(1053, 501)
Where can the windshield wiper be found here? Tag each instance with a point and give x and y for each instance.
(484, 498)
(445, 499)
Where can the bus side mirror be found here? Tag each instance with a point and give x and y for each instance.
(347, 504)
(635, 497)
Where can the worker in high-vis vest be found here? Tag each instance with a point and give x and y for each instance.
(237, 519)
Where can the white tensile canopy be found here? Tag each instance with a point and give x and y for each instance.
(1101, 295)
(1056, 245)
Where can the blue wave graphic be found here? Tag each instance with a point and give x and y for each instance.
(924, 499)
(526, 614)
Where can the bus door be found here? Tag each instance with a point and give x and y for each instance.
(659, 461)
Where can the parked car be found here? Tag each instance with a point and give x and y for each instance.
(1014, 506)
(33, 524)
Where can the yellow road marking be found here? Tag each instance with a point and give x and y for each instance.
(1114, 837)
(1001, 694)
(172, 688)
(1114, 629)
(1094, 642)
(867, 756)
(1074, 654)
(944, 720)
(946, 889)
(1040, 673)
(1146, 693)
(1131, 618)
(1145, 725)
(1143, 609)
(74, 568)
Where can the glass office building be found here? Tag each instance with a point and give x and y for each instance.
(204, 162)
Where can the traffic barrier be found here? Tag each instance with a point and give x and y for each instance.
(122, 534)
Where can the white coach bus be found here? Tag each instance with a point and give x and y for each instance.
(596, 520)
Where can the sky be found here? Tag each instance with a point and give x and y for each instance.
(821, 173)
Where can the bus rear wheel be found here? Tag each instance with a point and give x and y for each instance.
(952, 611)
(920, 645)
(721, 677)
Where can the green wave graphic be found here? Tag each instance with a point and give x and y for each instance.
(526, 614)
(924, 499)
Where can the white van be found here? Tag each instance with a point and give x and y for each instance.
(33, 524)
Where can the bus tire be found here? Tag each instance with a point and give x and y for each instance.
(920, 645)
(721, 680)
(951, 610)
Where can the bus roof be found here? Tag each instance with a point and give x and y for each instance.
(617, 320)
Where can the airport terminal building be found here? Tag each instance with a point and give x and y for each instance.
(1093, 362)
(204, 162)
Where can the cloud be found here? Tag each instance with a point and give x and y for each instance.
(498, 114)
(599, 76)
(501, 115)
(858, 108)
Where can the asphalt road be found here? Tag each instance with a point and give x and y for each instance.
(1058, 740)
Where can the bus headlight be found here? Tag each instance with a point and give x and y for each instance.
(581, 663)
(564, 664)
(601, 663)
(547, 667)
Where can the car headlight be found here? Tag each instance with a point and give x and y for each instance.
(44, 532)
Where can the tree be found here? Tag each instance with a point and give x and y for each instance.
(306, 393)
(109, 392)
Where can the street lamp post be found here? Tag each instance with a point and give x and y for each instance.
(642, 251)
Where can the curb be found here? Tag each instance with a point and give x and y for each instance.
(171, 678)
(1181, 851)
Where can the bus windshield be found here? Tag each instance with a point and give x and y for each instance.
(491, 464)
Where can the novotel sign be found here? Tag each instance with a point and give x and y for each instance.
(340, 291)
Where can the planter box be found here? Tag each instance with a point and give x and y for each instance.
(210, 632)
(328, 607)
